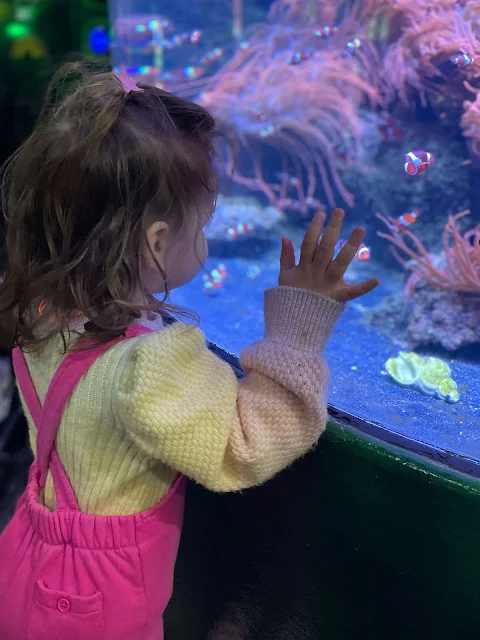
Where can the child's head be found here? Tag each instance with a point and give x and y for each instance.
(105, 204)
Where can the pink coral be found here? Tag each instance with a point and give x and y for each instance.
(432, 32)
(459, 267)
(306, 115)
(292, 128)
(470, 121)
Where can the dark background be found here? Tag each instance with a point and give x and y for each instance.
(61, 26)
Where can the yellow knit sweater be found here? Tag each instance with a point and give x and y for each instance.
(162, 403)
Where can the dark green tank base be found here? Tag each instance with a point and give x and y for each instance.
(355, 541)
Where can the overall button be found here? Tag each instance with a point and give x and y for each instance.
(63, 605)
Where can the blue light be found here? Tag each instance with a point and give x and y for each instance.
(99, 40)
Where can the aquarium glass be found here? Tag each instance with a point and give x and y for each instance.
(373, 106)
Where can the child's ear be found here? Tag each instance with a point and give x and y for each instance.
(156, 238)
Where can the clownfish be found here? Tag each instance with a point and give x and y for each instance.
(212, 56)
(351, 47)
(215, 278)
(195, 36)
(363, 254)
(193, 72)
(298, 57)
(416, 162)
(239, 230)
(462, 60)
(404, 221)
(326, 32)
(177, 40)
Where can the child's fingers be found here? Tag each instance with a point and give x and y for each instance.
(310, 241)
(287, 256)
(326, 249)
(349, 250)
(353, 291)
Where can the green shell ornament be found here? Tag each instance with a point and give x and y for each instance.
(431, 376)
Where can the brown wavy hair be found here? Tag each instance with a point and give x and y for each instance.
(79, 194)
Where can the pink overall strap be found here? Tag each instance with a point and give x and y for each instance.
(62, 386)
(64, 493)
(26, 386)
(47, 419)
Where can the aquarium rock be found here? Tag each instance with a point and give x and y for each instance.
(241, 210)
(443, 190)
(431, 376)
(431, 318)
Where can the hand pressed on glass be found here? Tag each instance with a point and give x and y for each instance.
(317, 269)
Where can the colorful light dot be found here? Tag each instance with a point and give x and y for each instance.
(98, 40)
(15, 30)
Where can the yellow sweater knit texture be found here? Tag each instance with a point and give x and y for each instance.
(162, 403)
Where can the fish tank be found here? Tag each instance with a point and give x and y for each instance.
(369, 105)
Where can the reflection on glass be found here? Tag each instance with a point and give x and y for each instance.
(373, 106)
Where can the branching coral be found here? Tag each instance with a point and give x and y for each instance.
(458, 270)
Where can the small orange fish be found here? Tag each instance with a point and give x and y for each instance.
(215, 278)
(193, 72)
(195, 36)
(178, 39)
(363, 254)
(417, 162)
(351, 47)
(239, 230)
(326, 32)
(405, 220)
(298, 57)
(462, 60)
(212, 56)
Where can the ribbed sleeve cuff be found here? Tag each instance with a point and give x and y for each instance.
(300, 319)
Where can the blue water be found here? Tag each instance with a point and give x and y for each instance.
(356, 355)
(351, 154)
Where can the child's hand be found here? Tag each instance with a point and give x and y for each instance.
(317, 270)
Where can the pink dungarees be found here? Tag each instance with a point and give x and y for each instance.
(67, 575)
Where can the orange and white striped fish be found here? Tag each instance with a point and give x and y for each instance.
(363, 254)
(215, 278)
(239, 230)
(417, 162)
(404, 221)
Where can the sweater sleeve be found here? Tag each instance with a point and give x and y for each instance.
(184, 406)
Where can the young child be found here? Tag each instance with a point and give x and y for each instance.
(105, 205)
